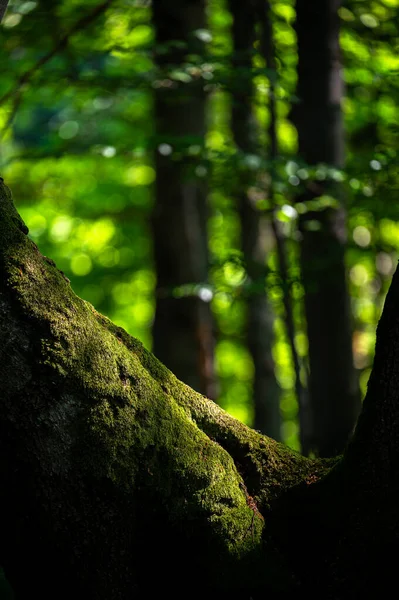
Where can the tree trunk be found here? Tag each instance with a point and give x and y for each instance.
(333, 385)
(3, 8)
(116, 476)
(254, 229)
(183, 328)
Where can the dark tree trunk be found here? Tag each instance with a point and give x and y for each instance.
(254, 226)
(183, 329)
(3, 8)
(117, 479)
(333, 385)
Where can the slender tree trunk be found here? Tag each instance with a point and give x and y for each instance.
(254, 226)
(333, 384)
(183, 328)
(3, 8)
(269, 54)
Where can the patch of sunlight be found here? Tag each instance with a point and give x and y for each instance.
(141, 35)
(142, 312)
(122, 293)
(81, 264)
(389, 232)
(233, 361)
(362, 236)
(287, 135)
(363, 380)
(290, 434)
(139, 175)
(285, 11)
(215, 140)
(234, 274)
(61, 228)
(359, 275)
(99, 234)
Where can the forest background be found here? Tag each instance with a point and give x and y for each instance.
(97, 157)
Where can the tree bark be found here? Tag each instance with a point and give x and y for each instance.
(183, 336)
(254, 227)
(115, 476)
(333, 385)
(3, 8)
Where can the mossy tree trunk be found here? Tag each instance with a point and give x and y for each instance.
(117, 480)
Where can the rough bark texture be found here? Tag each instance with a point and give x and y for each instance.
(117, 479)
(183, 328)
(254, 228)
(333, 386)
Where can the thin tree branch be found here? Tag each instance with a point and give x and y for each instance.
(79, 25)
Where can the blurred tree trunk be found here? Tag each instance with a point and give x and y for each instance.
(254, 226)
(183, 328)
(333, 385)
(3, 8)
(116, 478)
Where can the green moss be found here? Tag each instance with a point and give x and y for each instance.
(137, 426)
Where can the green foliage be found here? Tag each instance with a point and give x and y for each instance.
(78, 150)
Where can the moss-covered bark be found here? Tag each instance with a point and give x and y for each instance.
(118, 480)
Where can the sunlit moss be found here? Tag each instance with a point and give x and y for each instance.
(66, 198)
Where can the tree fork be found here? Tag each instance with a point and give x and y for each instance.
(115, 475)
